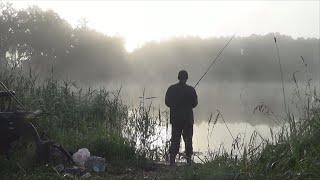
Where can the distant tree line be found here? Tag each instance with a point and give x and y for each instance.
(252, 58)
(41, 41)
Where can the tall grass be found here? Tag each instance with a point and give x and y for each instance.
(93, 118)
(72, 116)
(145, 125)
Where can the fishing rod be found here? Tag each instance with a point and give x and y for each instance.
(214, 60)
(12, 95)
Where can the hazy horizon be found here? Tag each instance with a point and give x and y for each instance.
(140, 22)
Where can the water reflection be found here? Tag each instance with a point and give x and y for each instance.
(210, 139)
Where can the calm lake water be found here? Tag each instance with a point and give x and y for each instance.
(236, 102)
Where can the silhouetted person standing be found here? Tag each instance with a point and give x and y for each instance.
(181, 99)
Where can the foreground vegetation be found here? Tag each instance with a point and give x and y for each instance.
(98, 120)
(77, 118)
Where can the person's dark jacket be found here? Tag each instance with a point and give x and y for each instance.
(181, 99)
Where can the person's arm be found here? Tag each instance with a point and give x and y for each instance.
(194, 98)
(168, 98)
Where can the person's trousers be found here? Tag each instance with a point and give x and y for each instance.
(186, 130)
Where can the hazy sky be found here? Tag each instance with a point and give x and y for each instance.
(141, 21)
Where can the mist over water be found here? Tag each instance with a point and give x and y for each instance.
(236, 101)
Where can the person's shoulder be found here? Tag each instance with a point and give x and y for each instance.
(173, 86)
(190, 87)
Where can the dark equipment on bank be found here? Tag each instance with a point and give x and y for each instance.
(15, 124)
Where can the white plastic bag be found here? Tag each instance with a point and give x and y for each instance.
(81, 156)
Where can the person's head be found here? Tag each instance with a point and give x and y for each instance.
(183, 76)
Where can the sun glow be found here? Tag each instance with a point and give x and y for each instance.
(140, 21)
